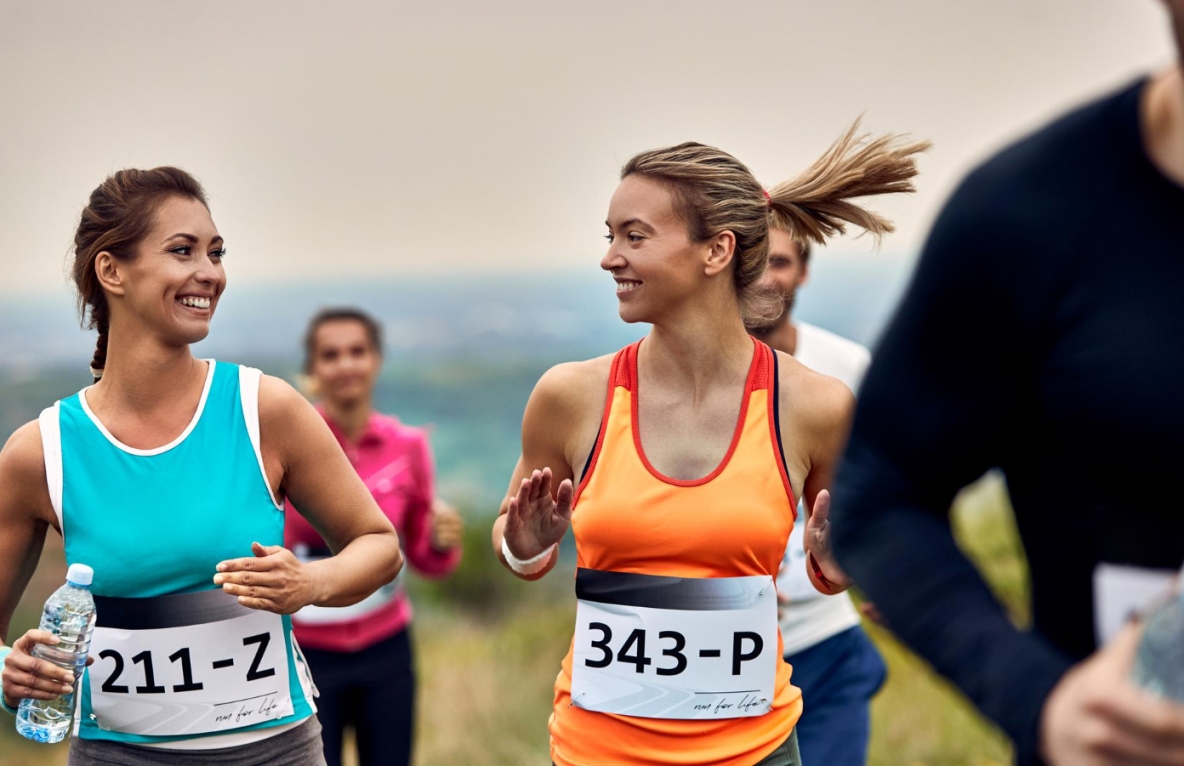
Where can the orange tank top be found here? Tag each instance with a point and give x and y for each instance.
(733, 523)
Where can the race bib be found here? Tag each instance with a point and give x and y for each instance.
(673, 647)
(186, 664)
(331, 615)
(1121, 592)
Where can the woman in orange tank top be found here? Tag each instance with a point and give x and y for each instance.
(681, 484)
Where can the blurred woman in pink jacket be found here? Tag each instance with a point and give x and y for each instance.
(361, 655)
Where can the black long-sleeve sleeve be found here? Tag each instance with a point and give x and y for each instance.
(1043, 334)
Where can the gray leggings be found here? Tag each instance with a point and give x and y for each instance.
(786, 755)
(297, 747)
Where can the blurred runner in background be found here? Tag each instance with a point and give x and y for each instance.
(1043, 334)
(834, 663)
(361, 656)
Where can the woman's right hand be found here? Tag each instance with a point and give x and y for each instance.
(29, 677)
(1096, 716)
(535, 520)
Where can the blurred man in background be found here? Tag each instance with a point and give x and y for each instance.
(834, 663)
(1043, 333)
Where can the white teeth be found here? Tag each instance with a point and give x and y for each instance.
(624, 287)
(195, 302)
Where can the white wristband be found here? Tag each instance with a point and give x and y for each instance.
(526, 566)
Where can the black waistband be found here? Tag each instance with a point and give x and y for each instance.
(172, 611)
(661, 592)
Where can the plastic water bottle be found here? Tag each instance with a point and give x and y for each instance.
(1159, 663)
(70, 615)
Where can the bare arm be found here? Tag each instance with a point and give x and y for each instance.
(24, 513)
(519, 495)
(559, 425)
(299, 449)
(25, 516)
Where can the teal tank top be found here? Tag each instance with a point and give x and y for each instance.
(155, 523)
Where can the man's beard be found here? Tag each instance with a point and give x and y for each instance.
(787, 300)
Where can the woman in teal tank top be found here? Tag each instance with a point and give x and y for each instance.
(168, 478)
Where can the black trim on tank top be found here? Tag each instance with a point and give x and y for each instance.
(588, 462)
(777, 417)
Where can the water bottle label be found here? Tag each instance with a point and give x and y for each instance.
(187, 664)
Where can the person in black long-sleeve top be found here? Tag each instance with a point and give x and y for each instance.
(1043, 334)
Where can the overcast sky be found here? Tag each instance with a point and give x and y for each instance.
(346, 139)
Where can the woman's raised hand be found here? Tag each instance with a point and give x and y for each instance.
(825, 572)
(535, 520)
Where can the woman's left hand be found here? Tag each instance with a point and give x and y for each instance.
(825, 572)
(274, 580)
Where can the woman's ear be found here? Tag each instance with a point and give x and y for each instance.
(107, 269)
(719, 256)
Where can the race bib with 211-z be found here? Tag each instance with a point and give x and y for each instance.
(186, 664)
(673, 647)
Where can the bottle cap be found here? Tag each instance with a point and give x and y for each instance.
(80, 574)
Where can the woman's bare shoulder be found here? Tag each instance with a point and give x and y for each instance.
(573, 387)
(22, 455)
(813, 401)
(23, 484)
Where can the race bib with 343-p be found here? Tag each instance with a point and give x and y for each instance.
(185, 664)
(674, 647)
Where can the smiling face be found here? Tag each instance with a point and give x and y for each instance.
(651, 256)
(344, 362)
(172, 285)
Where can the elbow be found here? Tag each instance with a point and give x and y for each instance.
(395, 561)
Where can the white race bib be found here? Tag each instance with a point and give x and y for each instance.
(186, 664)
(672, 647)
(1122, 591)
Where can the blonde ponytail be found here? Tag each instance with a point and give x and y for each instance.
(816, 204)
(715, 192)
